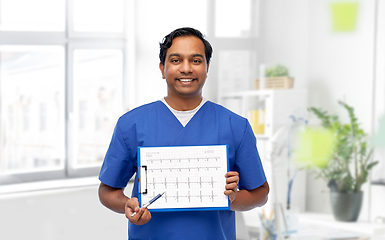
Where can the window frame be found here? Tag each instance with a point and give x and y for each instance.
(70, 41)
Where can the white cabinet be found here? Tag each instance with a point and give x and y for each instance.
(278, 105)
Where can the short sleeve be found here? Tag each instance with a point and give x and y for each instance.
(247, 161)
(118, 166)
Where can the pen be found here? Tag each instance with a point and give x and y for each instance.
(150, 202)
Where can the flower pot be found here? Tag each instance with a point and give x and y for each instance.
(346, 206)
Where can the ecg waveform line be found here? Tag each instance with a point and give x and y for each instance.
(182, 159)
(188, 182)
(189, 196)
(181, 168)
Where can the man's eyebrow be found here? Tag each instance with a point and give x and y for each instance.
(178, 55)
(197, 55)
(173, 55)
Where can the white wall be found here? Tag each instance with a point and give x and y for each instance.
(73, 213)
(341, 64)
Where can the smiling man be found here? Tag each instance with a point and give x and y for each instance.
(184, 66)
(183, 118)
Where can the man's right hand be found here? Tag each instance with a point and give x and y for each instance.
(142, 215)
(114, 199)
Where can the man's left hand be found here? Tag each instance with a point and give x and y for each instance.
(232, 179)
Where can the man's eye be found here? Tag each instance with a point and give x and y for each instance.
(197, 61)
(174, 60)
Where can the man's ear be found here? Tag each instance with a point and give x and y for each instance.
(161, 67)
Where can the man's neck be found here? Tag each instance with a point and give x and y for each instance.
(183, 104)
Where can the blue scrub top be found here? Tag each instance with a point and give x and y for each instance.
(155, 125)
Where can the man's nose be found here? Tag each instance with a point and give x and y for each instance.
(185, 67)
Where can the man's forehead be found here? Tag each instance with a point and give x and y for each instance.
(179, 46)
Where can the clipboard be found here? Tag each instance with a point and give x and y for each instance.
(192, 177)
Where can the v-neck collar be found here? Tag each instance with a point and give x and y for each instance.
(166, 130)
(174, 112)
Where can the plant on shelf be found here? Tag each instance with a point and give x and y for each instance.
(349, 161)
(276, 77)
(277, 71)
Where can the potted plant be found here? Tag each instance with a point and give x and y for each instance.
(277, 77)
(348, 165)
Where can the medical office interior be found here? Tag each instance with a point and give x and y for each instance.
(69, 69)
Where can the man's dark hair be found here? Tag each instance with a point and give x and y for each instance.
(167, 41)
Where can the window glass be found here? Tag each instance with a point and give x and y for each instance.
(233, 18)
(98, 15)
(31, 108)
(235, 70)
(36, 15)
(97, 102)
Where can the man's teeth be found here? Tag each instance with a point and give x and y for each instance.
(186, 80)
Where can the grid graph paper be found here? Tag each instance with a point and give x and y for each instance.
(192, 177)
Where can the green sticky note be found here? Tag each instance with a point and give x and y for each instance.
(344, 16)
(314, 147)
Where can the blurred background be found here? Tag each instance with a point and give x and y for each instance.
(69, 69)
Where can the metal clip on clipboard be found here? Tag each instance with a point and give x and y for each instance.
(143, 179)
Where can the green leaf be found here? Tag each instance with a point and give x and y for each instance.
(371, 165)
(277, 71)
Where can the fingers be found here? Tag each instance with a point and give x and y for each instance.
(232, 187)
(132, 206)
(231, 173)
(142, 217)
(135, 214)
(232, 179)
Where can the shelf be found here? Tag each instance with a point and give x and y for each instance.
(379, 182)
(261, 136)
(266, 92)
(248, 93)
(277, 105)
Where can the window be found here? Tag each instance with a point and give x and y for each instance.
(234, 18)
(97, 84)
(61, 81)
(32, 89)
(87, 16)
(23, 15)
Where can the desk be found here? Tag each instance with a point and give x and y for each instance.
(358, 229)
(315, 226)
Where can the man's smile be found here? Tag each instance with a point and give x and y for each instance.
(185, 79)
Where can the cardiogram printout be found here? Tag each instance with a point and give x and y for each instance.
(192, 177)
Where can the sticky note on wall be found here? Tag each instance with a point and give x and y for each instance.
(344, 16)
